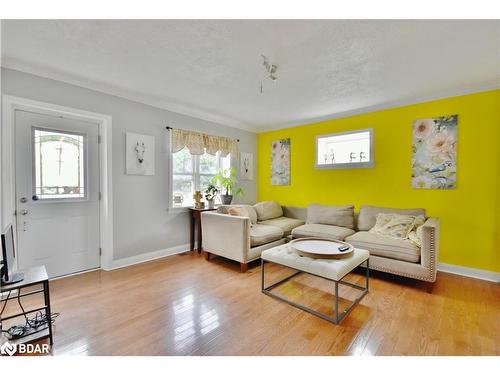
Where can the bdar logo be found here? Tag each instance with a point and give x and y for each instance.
(8, 348)
(11, 349)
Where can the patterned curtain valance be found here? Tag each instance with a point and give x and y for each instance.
(199, 143)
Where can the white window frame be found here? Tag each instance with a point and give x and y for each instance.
(368, 164)
(195, 174)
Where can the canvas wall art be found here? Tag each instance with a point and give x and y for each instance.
(434, 153)
(280, 162)
(246, 166)
(140, 154)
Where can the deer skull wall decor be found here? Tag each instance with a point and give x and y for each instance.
(140, 154)
(140, 149)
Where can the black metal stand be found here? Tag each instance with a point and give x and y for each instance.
(32, 277)
(338, 317)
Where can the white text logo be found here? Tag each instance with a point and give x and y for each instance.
(11, 349)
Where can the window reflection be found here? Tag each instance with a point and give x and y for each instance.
(192, 320)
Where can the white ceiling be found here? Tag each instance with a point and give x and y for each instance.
(211, 69)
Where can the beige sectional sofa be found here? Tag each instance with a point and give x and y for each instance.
(240, 239)
(397, 256)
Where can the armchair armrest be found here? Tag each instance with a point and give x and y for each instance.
(226, 235)
(430, 245)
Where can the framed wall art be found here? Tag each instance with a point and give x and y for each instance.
(246, 166)
(280, 162)
(139, 154)
(434, 161)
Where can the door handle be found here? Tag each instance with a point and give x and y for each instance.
(23, 200)
(24, 211)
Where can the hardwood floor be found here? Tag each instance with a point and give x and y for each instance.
(184, 305)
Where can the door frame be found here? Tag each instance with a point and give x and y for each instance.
(8, 203)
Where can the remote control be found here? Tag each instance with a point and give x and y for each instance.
(344, 248)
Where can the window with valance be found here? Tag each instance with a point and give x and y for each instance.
(196, 158)
(200, 143)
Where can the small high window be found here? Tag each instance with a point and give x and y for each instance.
(345, 150)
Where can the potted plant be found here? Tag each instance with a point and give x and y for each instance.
(210, 194)
(227, 179)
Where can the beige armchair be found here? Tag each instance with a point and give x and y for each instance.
(230, 237)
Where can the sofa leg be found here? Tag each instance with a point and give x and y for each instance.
(243, 267)
(207, 255)
(429, 287)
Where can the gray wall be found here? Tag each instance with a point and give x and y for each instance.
(141, 220)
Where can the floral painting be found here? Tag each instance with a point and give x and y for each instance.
(434, 153)
(280, 162)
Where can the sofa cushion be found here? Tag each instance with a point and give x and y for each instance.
(385, 246)
(283, 222)
(368, 214)
(262, 234)
(224, 209)
(342, 216)
(332, 232)
(268, 210)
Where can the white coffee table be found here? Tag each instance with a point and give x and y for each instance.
(330, 269)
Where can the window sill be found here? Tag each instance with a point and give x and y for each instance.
(179, 210)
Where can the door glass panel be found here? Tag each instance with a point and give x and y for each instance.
(59, 167)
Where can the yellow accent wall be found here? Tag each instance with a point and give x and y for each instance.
(469, 214)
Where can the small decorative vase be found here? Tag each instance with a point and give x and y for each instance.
(226, 199)
(211, 203)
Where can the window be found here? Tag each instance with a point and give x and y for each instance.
(345, 150)
(193, 172)
(59, 166)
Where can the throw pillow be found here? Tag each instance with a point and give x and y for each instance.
(393, 225)
(368, 214)
(415, 234)
(223, 209)
(239, 211)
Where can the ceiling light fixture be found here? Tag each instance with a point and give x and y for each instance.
(270, 72)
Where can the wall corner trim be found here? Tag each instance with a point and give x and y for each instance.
(146, 257)
(470, 272)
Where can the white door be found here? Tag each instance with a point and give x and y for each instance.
(57, 193)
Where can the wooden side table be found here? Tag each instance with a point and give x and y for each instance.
(195, 216)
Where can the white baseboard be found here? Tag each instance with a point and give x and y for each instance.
(443, 267)
(74, 274)
(141, 258)
(469, 272)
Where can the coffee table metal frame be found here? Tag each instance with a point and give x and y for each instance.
(338, 317)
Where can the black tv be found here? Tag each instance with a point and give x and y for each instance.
(9, 257)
